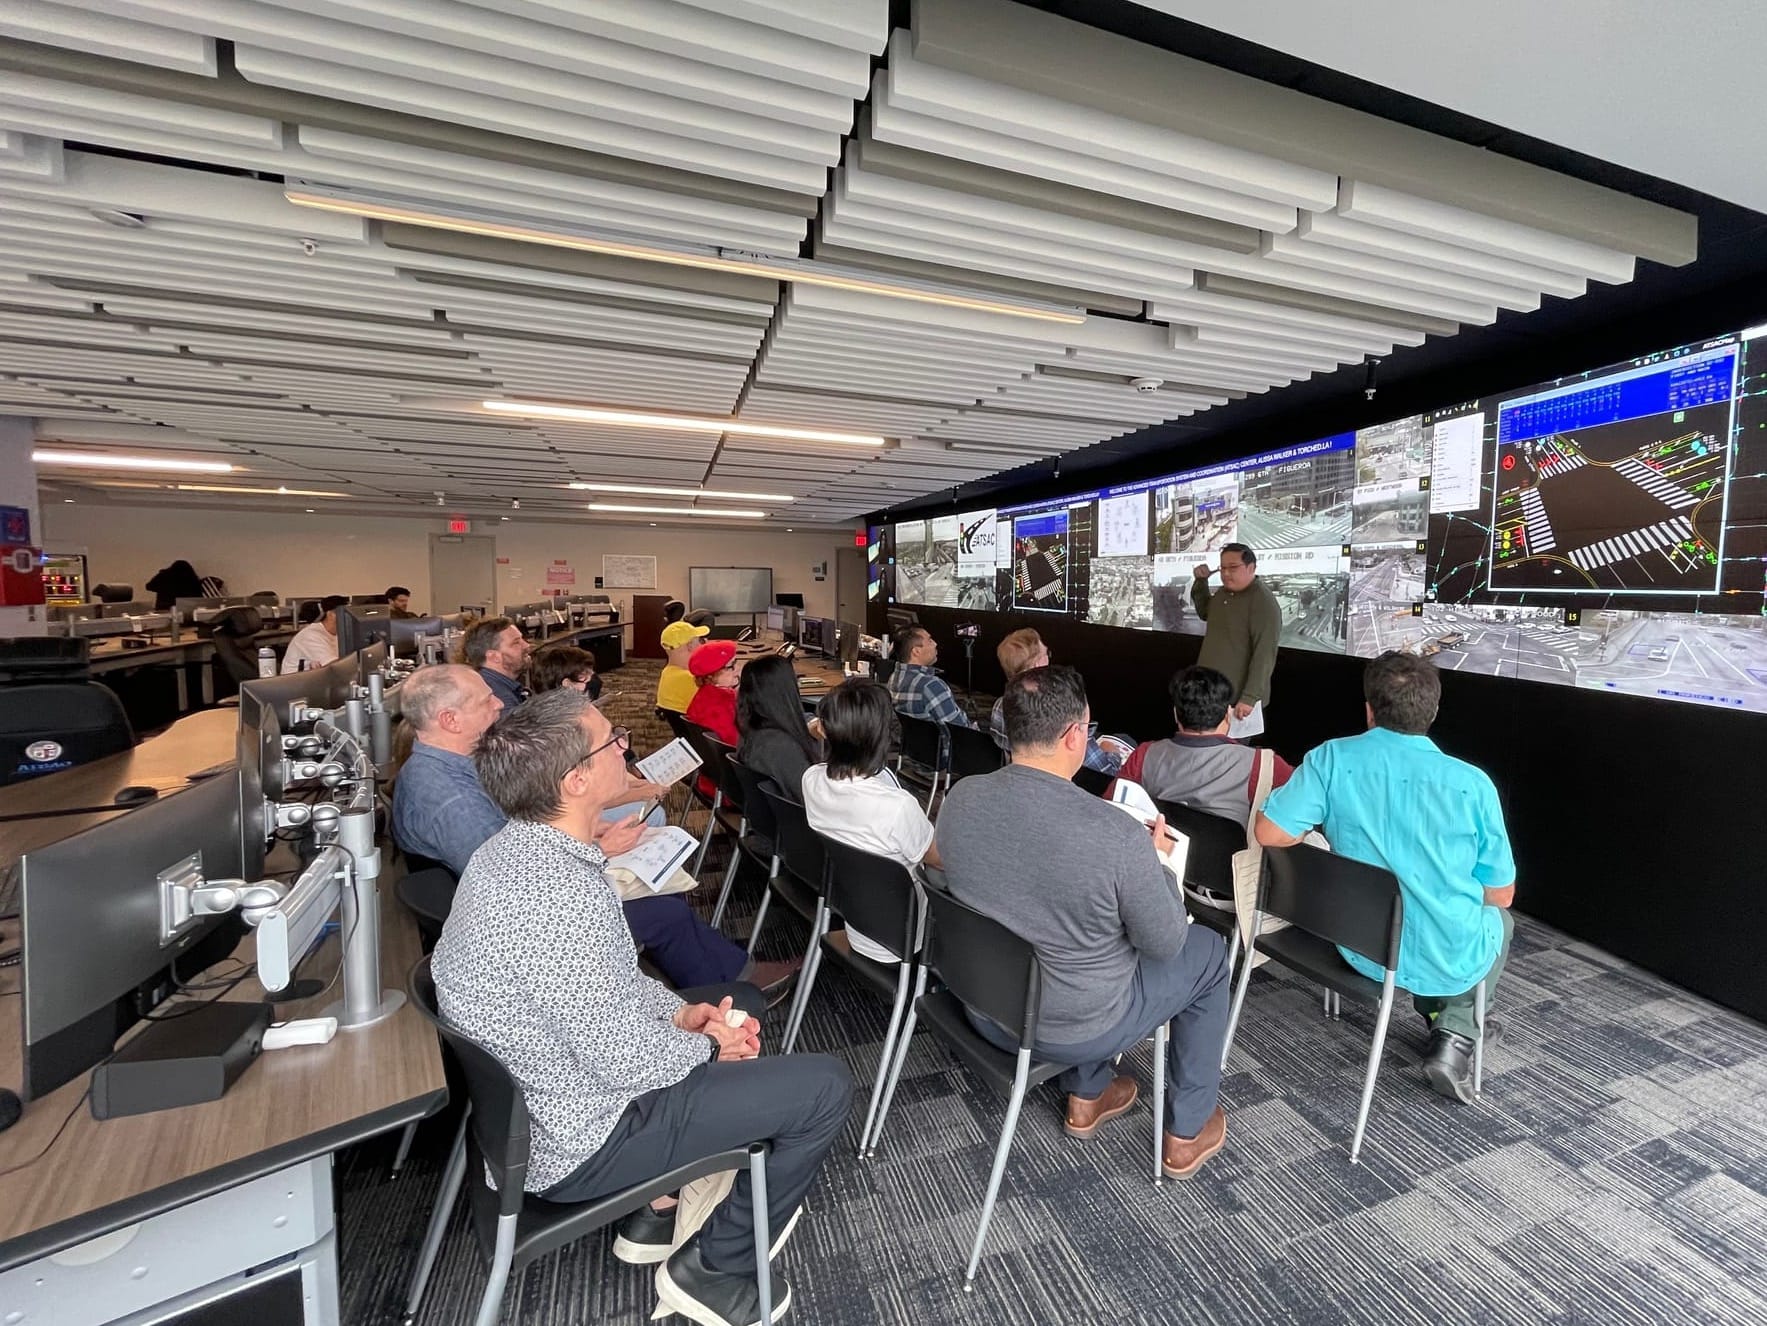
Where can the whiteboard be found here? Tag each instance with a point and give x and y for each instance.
(628, 571)
(730, 588)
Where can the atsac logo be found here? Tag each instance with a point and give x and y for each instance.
(977, 538)
(41, 752)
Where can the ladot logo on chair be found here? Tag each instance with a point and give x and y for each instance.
(41, 752)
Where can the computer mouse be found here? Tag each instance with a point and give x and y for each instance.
(134, 796)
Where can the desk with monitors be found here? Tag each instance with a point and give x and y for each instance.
(228, 1199)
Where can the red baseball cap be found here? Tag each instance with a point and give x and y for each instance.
(711, 656)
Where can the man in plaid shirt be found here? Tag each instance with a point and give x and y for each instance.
(917, 690)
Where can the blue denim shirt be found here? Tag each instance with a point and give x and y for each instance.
(439, 808)
(506, 689)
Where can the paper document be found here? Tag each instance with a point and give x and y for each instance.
(1252, 725)
(670, 764)
(1133, 798)
(659, 854)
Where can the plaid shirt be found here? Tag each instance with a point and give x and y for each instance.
(920, 692)
(1097, 757)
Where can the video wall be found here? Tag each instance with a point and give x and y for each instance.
(1607, 530)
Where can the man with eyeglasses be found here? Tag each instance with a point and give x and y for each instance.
(441, 811)
(1244, 625)
(623, 1079)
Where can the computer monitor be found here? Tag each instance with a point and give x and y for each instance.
(312, 687)
(93, 958)
(848, 643)
(258, 756)
(776, 618)
(406, 630)
(789, 601)
(357, 628)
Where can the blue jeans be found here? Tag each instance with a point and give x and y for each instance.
(686, 950)
(1191, 991)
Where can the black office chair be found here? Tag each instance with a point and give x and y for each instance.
(112, 594)
(57, 725)
(800, 878)
(428, 894)
(1208, 868)
(973, 751)
(701, 617)
(982, 965)
(234, 633)
(878, 897)
(673, 611)
(514, 1227)
(922, 763)
(1330, 900)
(755, 836)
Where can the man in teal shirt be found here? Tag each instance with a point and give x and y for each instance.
(1390, 798)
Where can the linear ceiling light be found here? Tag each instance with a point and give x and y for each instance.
(99, 461)
(271, 492)
(680, 510)
(797, 271)
(678, 492)
(680, 423)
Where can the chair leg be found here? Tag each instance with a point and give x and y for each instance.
(405, 1140)
(888, 1054)
(1160, 1038)
(1479, 1040)
(1374, 1051)
(763, 1236)
(1245, 979)
(800, 1002)
(491, 1305)
(1233, 950)
(729, 877)
(1007, 1130)
(705, 841)
(760, 920)
(452, 1174)
(903, 1040)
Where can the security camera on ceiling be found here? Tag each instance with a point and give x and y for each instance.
(1147, 384)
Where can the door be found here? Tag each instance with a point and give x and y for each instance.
(849, 584)
(462, 572)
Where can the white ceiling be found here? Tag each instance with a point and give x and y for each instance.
(1222, 235)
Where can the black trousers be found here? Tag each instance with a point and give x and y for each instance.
(798, 1102)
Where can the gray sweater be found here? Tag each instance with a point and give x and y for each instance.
(1244, 628)
(1072, 874)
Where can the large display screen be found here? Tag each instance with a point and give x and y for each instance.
(1607, 530)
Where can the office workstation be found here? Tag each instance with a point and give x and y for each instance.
(1065, 559)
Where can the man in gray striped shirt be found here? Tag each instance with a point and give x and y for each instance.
(623, 1078)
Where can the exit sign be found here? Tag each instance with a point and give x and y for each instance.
(860, 538)
(459, 525)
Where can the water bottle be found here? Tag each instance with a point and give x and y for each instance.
(266, 661)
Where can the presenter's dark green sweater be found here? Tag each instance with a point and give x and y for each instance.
(1243, 628)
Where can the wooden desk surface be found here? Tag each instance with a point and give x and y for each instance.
(290, 1105)
(196, 741)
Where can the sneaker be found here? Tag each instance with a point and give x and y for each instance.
(687, 1286)
(1448, 1065)
(1182, 1157)
(645, 1237)
(1084, 1116)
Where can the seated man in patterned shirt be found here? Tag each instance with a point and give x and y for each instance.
(917, 690)
(623, 1079)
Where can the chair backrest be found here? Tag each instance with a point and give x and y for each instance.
(678, 724)
(802, 850)
(988, 967)
(921, 739)
(673, 611)
(709, 749)
(1093, 781)
(428, 894)
(749, 802)
(47, 728)
(973, 752)
(112, 593)
(873, 894)
(499, 1113)
(1356, 906)
(1213, 841)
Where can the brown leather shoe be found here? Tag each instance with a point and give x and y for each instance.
(1184, 1156)
(1084, 1115)
(774, 978)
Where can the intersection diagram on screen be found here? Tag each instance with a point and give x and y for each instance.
(1040, 561)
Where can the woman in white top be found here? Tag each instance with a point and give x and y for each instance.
(855, 800)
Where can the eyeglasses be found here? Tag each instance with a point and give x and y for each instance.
(622, 738)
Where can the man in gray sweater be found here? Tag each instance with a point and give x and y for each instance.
(1084, 883)
(1244, 626)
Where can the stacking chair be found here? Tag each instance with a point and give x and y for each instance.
(1208, 867)
(711, 752)
(982, 965)
(923, 746)
(1330, 900)
(755, 835)
(428, 894)
(878, 897)
(972, 752)
(515, 1228)
(802, 882)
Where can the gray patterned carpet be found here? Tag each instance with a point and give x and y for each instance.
(1615, 1172)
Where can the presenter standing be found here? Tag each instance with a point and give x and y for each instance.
(1244, 623)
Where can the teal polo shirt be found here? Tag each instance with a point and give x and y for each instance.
(1394, 800)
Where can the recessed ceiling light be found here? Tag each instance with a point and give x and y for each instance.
(309, 511)
(99, 460)
(267, 492)
(678, 492)
(680, 423)
(739, 513)
(113, 216)
(68, 500)
(505, 517)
